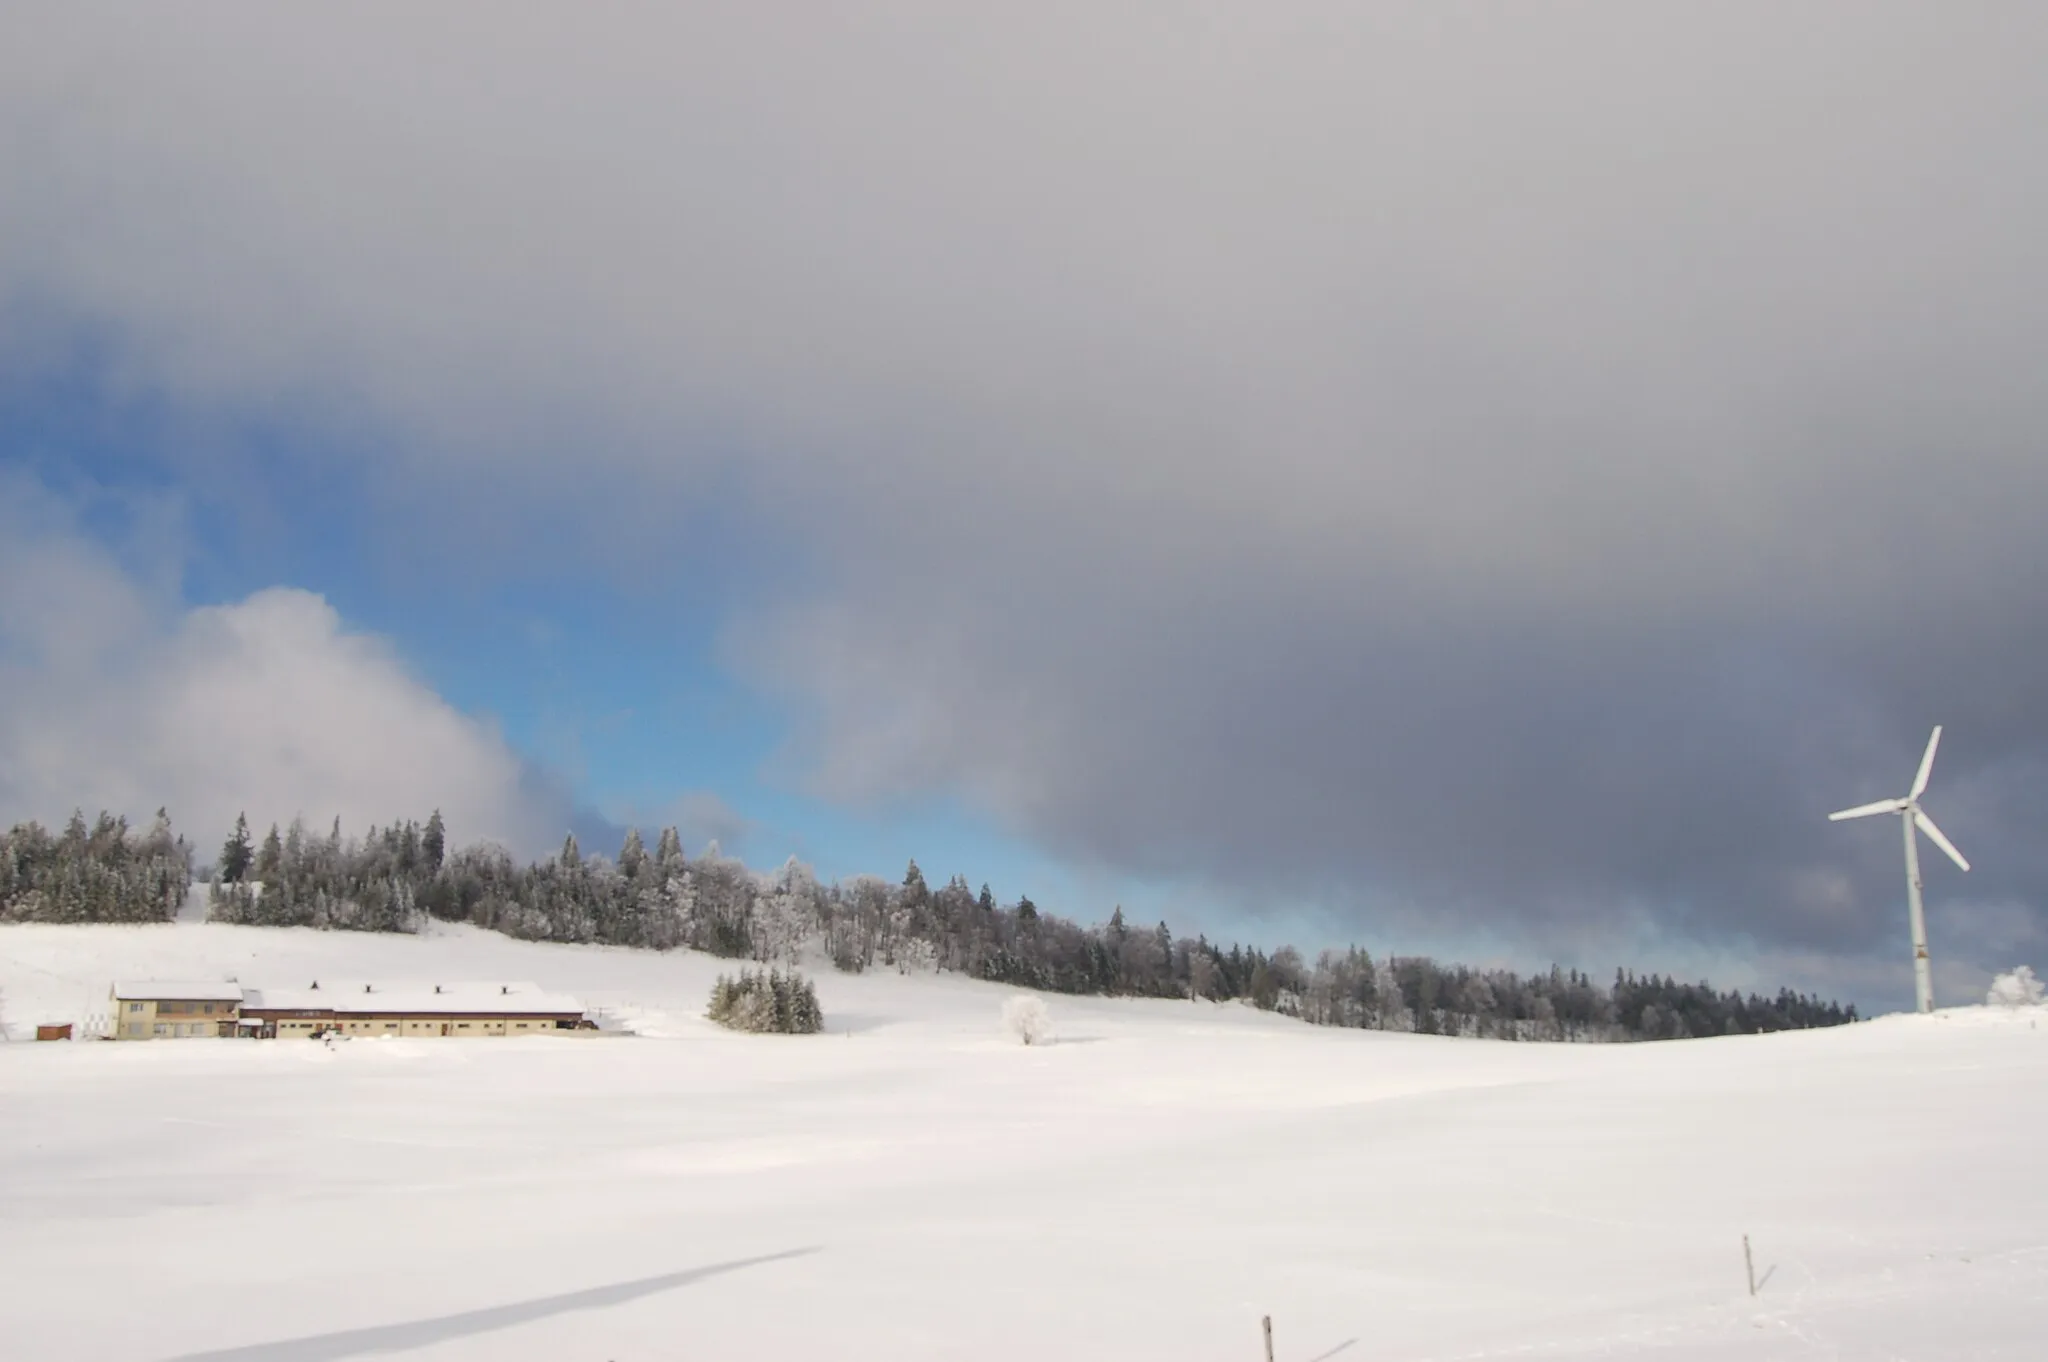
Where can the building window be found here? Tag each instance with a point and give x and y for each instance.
(160, 1029)
(135, 1007)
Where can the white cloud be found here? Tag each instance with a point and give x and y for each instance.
(117, 697)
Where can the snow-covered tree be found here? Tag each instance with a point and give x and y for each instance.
(766, 1001)
(434, 841)
(787, 915)
(1026, 1018)
(2017, 989)
(270, 857)
(632, 855)
(100, 873)
(236, 854)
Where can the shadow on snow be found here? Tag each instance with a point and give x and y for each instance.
(418, 1333)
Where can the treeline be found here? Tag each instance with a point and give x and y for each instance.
(400, 877)
(300, 880)
(102, 873)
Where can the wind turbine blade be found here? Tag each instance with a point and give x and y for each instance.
(1926, 765)
(1926, 825)
(1865, 810)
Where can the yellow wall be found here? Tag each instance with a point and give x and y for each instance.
(419, 1026)
(138, 1019)
(132, 1020)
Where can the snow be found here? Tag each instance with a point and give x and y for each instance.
(176, 991)
(198, 902)
(396, 997)
(916, 1185)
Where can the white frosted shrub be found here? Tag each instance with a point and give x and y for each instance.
(1026, 1018)
(2017, 989)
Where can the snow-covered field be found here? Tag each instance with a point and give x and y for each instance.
(915, 1185)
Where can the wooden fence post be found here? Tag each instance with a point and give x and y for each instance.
(1267, 1324)
(1749, 1264)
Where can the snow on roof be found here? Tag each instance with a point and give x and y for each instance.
(396, 996)
(176, 991)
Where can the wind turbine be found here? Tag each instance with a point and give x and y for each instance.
(1913, 817)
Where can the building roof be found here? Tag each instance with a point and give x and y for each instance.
(390, 997)
(176, 991)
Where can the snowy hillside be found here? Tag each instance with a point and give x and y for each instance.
(914, 1185)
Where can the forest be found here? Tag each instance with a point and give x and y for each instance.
(401, 877)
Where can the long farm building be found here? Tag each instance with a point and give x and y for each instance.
(165, 1010)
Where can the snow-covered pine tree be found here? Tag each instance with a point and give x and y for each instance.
(434, 842)
(235, 853)
(632, 855)
(270, 857)
(766, 1001)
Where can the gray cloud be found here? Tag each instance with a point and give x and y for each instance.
(1529, 464)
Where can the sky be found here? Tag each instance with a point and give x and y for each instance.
(1448, 478)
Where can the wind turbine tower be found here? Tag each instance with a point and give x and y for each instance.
(1915, 820)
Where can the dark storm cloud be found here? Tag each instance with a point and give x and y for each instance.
(1527, 464)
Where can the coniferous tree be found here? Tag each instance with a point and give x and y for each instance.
(632, 855)
(1263, 991)
(766, 1001)
(101, 873)
(434, 842)
(916, 894)
(235, 854)
(270, 857)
